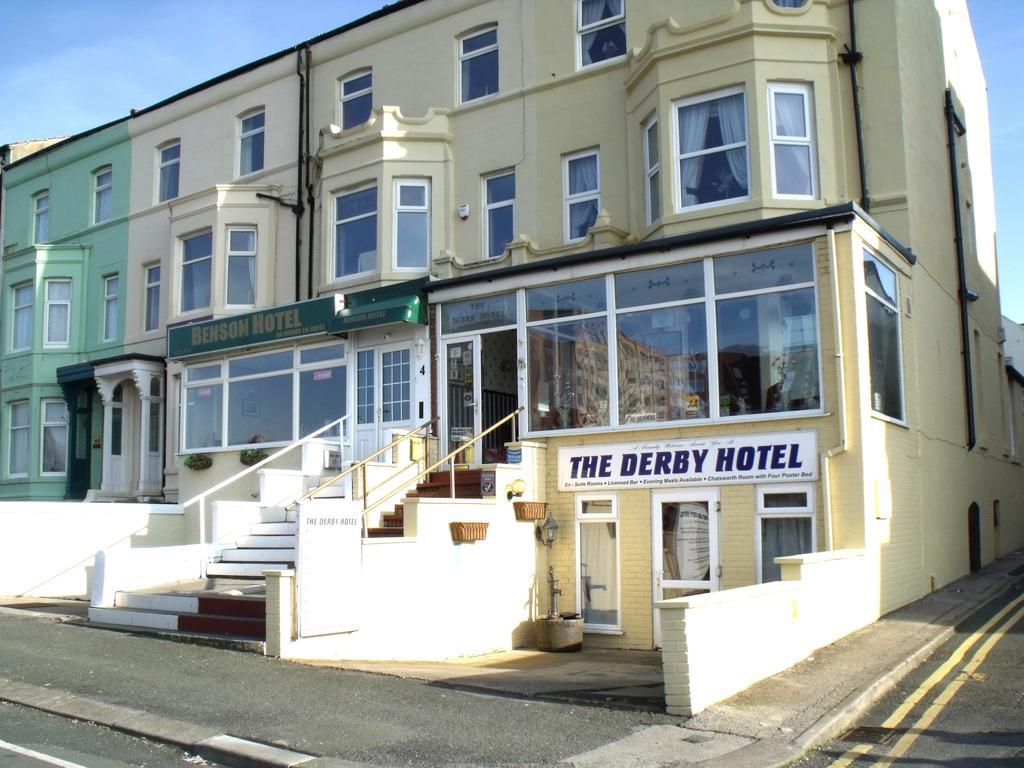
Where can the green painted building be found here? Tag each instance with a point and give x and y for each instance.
(65, 243)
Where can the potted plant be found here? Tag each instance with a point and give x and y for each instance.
(250, 456)
(197, 461)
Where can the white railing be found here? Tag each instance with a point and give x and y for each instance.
(201, 498)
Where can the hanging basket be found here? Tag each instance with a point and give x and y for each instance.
(197, 461)
(530, 510)
(463, 532)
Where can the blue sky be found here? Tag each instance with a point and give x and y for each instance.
(70, 65)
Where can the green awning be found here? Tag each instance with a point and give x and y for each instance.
(403, 309)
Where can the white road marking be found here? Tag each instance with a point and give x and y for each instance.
(38, 755)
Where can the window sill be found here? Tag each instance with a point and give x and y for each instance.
(602, 631)
(890, 420)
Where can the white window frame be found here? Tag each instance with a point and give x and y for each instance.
(806, 512)
(166, 166)
(244, 134)
(183, 265)
(464, 58)
(12, 428)
(582, 30)
(47, 304)
(423, 184)
(580, 519)
(346, 97)
(41, 216)
(902, 421)
(652, 171)
(579, 197)
(678, 155)
(489, 207)
(335, 275)
(26, 309)
(111, 304)
(149, 287)
(803, 90)
(45, 425)
(230, 254)
(102, 189)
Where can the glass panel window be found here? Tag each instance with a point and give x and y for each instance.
(884, 352)
(152, 297)
(259, 364)
(476, 314)
(355, 233)
(600, 30)
(356, 100)
(412, 224)
(790, 3)
(652, 171)
(260, 410)
(204, 415)
(41, 218)
(104, 181)
(500, 206)
(58, 313)
(713, 165)
(597, 531)
(675, 282)
(251, 137)
(55, 437)
(365, 387)
(686, 543)
(170, 165)
(396, 389)
(568, 374)
(764, 270)
(24, 315)
(111, 306)
(196, 266)
(582, 179)
(17, 460)
(478, 64)
(241, 267)
(580, 297)
(785, 522)
(315, 355)
(793, 161)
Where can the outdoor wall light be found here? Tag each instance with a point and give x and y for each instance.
(547, 531)
(515, 488)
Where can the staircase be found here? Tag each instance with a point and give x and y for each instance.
(437, 485)
(268, 546)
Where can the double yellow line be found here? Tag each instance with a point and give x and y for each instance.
(945, 696)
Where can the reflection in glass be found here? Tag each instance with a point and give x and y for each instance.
(580, 297)
(321, 399)
(568, 368)
(260, 410)
(203, 416)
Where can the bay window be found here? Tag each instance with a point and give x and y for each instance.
(652, 171)
(54, 451)
(412, 223)
(712, 149)
(57, 313)
(355, 232)
(790, 117)
(196, 271)
(18, 439)
(241, 282)
(884, 354)
(23, 316)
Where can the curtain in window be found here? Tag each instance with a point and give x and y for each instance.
(595, 10)
(694, 137)
(734, 130)
(792, 161)
(781, 537)
(598, 578)
(791, 3)
(57, 324)
(582, 178)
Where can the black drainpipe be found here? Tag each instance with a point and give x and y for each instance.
(852, 57)
(955, 127)
(310, 198)
(298, 172)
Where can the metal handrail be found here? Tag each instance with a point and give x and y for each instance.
(457, 451)
(201, 498)
(360, 465)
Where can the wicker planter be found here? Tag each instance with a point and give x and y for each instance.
(530, 510)
(462, 532)
(197, 461)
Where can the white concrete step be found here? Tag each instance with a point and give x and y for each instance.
(134, 618)
(267, 542)
(256, 555)
(274, 529)
(151, 602)
(252, 570)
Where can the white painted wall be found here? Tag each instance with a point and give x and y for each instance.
(47, 548)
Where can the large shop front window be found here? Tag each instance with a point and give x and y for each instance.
(728, 337)
(273, 397)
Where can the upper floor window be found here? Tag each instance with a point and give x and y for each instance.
(57, 313)
(713, 164)
(412, 223)
(885, 358)
(600, 30)
(152, 286)
(18, 445)
(196, 271)
(356, 99)
(241, 267)
(652, 171)
(251, 131)
(111, 306)
(170, 165)
(54, 432)
(581, 180)
(791, 120)
(478, 65)
(355, 232)
(41, 217)
(103, 180)
(24, 316)
(790, 3)
(500, 210)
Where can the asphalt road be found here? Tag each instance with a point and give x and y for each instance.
(962, 708)
(32, 739)
(350, 715)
